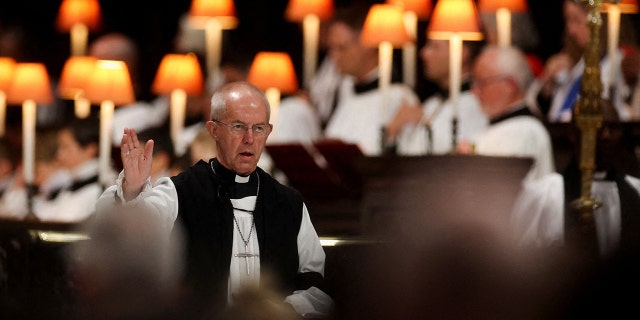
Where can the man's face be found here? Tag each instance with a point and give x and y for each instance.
(576, 24)
(435, 56)
(344, 48)
(240, 152)
(70, 153)
(494, 90)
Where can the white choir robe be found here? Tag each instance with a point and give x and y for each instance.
(14, 202)
(312, 302)
(538, 216)
(359, 118)
(414, 140)
(295, 121)
(521, 136)
(72, 206)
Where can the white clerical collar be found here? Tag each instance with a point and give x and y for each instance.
(241, 179)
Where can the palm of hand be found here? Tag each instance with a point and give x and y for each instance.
(136, 162)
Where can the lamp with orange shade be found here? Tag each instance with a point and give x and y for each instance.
(413, 10)
(455, 20)
(503, 10)
(384, 28)
(309, 12)
(274, 74)
(30, 86)
(178, 75)
(614, 8)
(78, 17)
(7, 67)
(73, 81)
(109, 85)
(213, 16)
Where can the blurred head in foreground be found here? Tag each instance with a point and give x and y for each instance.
(130, 268)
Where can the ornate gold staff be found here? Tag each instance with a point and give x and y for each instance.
(588, 117)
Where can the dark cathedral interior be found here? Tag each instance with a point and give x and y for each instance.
(488, 173)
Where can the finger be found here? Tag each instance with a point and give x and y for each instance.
(124, 149)
(127, 139)
(148, 149)
(134, 138)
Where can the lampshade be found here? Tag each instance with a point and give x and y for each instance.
(454, 16)
(7, 68)
(71, 12)
(223, 10)
(273, 70)
(384, 22)
(110, 80)
(422, 8)
(30, 82)
(178, 71)
(626, 6)
(75, 75)
(494, 5)
(298, 9)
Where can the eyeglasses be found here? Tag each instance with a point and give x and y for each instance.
(483, 82)
(239, 128)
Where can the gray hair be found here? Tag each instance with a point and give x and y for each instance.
(220, 96)
(512, 62)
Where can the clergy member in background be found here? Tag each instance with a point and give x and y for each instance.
(78, 147)
(8, 183)
(501, 77)
(50, 178)
(360, 111)
(428, 129)
(556, 91)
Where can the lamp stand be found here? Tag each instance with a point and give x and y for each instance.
(455, 75)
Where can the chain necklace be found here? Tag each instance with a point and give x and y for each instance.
(246, 255)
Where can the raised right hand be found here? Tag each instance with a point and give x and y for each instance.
(136, 163)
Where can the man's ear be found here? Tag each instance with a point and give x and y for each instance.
(211, 128)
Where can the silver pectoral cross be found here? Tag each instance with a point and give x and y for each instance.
(246, 255)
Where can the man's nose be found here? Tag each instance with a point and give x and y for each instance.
(247, 137)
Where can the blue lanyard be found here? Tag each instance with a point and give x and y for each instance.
(570, 101)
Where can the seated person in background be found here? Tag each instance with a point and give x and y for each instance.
(543, 214)
(239, 221)
(556, 91)
(163, 154)
(361, 111)
(501, 77)
(7, 180)
(78, 147)
(49, 178)
(427, 129)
